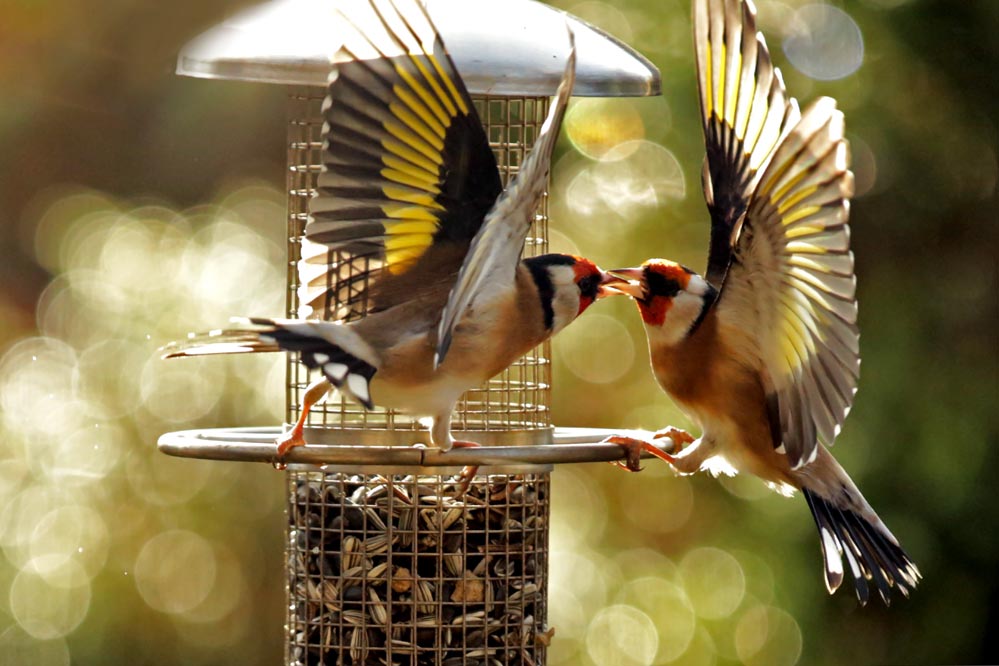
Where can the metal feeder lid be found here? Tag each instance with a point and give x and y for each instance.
(501, 47)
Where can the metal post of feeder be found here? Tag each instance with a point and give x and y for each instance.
(384, 565)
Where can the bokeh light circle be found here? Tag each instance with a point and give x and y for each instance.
(49, 611)
(579, 511)
(630, 179)
(35, 380)
(702, 651)
(667, 604)
(671, 508)
(714, 582)
(824, 42)
(66, 212)
(599, 352)
(167, 481)
(562, 244)
(622, 635)
(19, 648)
(578, 572)
(88, 454)
(110, 394)
(596, 126)
(175, 571)
(13, 474)
(227, 591)
(69, 541)
(760, 580)
(767, 636)
(20, 516)
(181, 391)
(646, 562)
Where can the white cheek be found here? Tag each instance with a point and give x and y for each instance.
(686, 308)
(565, 308)
(679, 319)
(697, 285)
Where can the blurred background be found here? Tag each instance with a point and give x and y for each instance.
(136, 206)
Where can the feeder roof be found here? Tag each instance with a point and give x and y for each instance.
(503, 47)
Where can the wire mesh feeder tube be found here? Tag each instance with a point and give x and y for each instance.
(394, 570)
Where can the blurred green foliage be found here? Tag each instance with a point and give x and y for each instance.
(136, 205)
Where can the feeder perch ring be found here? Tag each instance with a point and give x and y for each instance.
(563, 446)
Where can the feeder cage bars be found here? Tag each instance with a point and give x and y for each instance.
(385, 565)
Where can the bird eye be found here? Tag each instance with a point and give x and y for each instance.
(588, 286)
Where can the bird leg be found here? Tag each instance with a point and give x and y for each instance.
(692, 458)
(295, 437)
(468, 472)
(634, 448)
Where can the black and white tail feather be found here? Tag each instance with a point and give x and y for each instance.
(340, 354)
(872, 552)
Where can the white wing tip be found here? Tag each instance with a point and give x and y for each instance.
(358, 386)
(336, 371)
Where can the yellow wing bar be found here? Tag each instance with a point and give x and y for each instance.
(397, 120)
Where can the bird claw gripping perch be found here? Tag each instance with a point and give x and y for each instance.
(634, 447)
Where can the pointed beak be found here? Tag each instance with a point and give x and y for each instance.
(630, 281)
(611, 285)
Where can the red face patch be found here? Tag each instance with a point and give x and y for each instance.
(654, 309)
(588, 278)
(663, 280)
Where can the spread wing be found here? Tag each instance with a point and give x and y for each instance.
(407, 175)
(495, 251)
(744, 110)
(791, 285)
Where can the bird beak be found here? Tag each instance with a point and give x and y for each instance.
(611, 285)
(631, 281)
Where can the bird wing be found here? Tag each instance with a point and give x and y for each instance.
(407, 172)
(744, 111)
(791, 287)
(496, 248)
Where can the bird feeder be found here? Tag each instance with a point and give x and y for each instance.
(385, 564)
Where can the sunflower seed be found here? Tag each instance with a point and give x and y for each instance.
(359, 645)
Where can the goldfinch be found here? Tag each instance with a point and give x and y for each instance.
(762, 353)
(410, 187)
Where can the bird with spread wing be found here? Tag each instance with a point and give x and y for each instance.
(762, 353)
(410, 185)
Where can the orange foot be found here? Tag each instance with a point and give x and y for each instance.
(315, 392)
(680, 437)
(633, 452)
(289, 440)
(286, 443)
(468, 472)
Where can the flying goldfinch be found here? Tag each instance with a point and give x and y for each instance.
(762, 353)
(410, 186)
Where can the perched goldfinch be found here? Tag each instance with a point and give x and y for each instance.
(410, 186)
(763, 353)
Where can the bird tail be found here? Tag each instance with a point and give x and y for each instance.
(332, 348)
(221, 341)
(849, 528)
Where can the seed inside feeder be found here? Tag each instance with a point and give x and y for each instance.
(395, 570)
